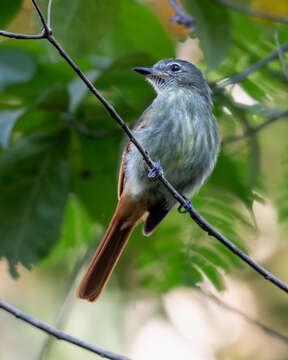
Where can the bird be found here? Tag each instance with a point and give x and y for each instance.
(181, 135)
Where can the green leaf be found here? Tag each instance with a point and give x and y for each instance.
(77, 224)
(8, 119)
(34, 177)
(94, 176)
(78, 90)
(281, 200)
(138, 29)
(80, 25)
(8, 10)
(210, 271)
(54, 98)
(212, 28)
(231, 175)
(15, 67)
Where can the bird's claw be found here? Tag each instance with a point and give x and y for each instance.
(155, 172)
(183, 209)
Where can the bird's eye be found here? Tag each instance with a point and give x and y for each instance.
(175, 67)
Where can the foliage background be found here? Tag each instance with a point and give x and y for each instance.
(58, 186)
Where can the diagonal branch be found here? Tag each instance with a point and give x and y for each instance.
(160, 175)
(60, 335)
(273, 118)
(268, 330)
(42, 18)
(255, 67)
(281, 55)
(252, 12)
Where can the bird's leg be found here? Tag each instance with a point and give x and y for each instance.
(155, 172)
(183, 209)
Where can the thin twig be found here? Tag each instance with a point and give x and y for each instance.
(60, 335)
(268, 330)
(49, 14)
(281, 55)
(48, 31)
(66, 306)
(273, 118)
(245, 73)
(252, 12)
(12, 35)
(181, 17)
(160, 176)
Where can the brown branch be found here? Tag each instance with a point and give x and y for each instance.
(252, 12)
(155, 169)
(60, 335)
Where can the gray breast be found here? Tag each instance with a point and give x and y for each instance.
(182, 136)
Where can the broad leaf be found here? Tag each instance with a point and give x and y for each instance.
(15, 67)
(78, 90)
(94, 177)
(8, 119)
(138, 29)
(212, 28)
(8, 10)
(34, 178)
(79, 25)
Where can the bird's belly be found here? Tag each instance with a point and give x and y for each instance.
(184, 158)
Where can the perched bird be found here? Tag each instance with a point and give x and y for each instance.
(180, 133)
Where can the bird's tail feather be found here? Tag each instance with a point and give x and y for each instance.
(107, 254)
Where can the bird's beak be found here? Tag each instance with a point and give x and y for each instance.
(149, 71)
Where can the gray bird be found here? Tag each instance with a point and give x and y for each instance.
(181, 134)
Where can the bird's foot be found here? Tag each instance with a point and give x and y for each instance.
(155, 172)
(183, 209)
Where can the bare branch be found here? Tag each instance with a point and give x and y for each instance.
(42, 18)
(252, 12)
(155, 167)
(66, 306)
(273, 118)
(60, 335)
(258, 65)
(281, 55)
(181, 17)
(268, 330)
(49, 14)
(22, 36)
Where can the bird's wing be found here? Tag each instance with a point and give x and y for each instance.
(141, 123)
(121, 177)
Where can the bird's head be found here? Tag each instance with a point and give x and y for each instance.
(175, 74)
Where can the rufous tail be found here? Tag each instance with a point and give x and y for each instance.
(109, 250)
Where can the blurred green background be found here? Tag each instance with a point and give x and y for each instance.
(58, 185)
